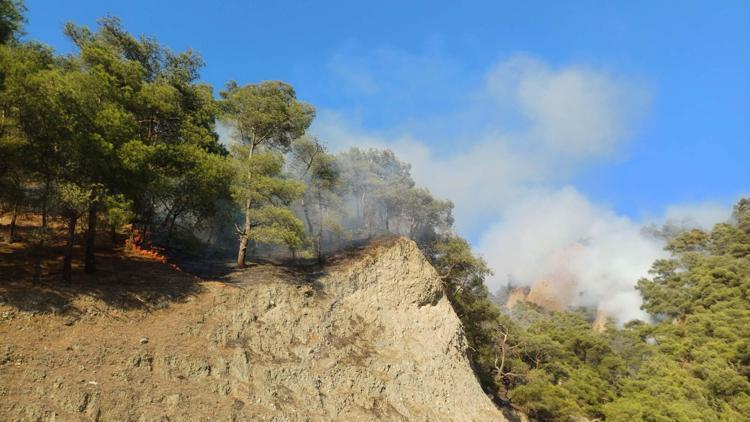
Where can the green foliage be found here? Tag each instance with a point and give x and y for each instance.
(259, 178)
(544, 400)
(692, 363)
(123, 118)
(705, 295)
(73, 198)
(690, 241)
(268, 117)
(158, 126)
(11, 19)
(320, 172)
(661, 391)
(380, 189)
(277, 225)
(118, 211)
(265, 114)
(423, 214)
(259, 182)
(741, 215)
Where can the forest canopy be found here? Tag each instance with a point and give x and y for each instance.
(122, 134)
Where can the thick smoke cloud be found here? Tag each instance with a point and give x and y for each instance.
(562, 234)
(511, 182)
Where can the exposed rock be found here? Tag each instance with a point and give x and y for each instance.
(516, 295)
(554, 293)
(371, 337)
(600, 322)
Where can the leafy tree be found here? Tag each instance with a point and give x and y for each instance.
(155, 128)
(701, 295)
(692, 363)
(118, 212)
(260, 183)
(123, 118)
(11, 19)
(36, 118)
(425, 216)
(321, 175)
(13, 172)
(385, 198)
(741, 215)
(268, 116)
(662, 391)
(374, 178)
(74, 201)
(305, 152)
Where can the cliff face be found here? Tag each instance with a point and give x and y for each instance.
(554, 294)
(371, 337)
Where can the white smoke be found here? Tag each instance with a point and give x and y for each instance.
(511, 186)
(611, 253)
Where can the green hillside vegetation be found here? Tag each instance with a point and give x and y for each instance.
(120, 138)
(692, 363)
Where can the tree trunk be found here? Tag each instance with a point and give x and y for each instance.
(131, 237)
(37, 273)
(320, 230)
(365, 221)
(12, 231)
(211, 231)
(171, 230)
(305, 208)
(90, 259)
(244, 237)
(45, 200)
(356, 202)
(67, 261)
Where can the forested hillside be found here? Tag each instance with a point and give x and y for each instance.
(691, 363)
(122, 136)
(116, 146)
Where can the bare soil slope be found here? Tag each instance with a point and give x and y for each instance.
(370, 337)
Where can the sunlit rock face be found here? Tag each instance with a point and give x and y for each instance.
(558, 290)
(369, 337)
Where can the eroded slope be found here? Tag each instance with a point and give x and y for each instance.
(370, 337)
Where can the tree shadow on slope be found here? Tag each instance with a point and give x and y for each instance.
(260, 270)
(122, 281)
(299, 272)
(127, 282)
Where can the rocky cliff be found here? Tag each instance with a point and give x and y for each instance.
(369, 337)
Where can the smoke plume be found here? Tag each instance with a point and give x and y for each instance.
(539, 126)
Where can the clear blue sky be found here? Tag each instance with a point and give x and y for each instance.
(693, 143)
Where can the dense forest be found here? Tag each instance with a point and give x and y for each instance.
(692, 362)
(121, 139)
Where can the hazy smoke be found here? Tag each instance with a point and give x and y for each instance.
(510, 182)
(561, 234)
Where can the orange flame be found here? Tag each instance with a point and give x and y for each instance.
(137, 246)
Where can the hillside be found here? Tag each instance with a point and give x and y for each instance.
(371, 336)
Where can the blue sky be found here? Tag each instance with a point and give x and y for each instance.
(548, 123)
(693, 56)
